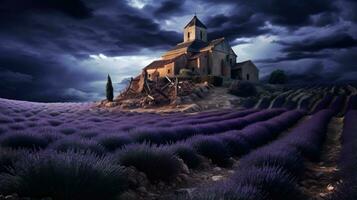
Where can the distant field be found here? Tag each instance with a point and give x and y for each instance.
(272, 148)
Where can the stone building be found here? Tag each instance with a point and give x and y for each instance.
(245, 71)
(202, 57)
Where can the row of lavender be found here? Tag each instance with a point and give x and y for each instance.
(311, 99)
(347, 164)
(87, 123)
(218, 148)
(31, 117)
(45, 173)
(272, 171)
(101, 143)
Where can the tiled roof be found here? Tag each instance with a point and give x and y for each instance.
(195, 22)
(197, 55)
(241, 64)
(160, 63)
(194, 45)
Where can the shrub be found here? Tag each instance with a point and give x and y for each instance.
(51, 137)
(236, 144)
(150, 135)
(87, 134)
(17, 126)
(187, 154)
(68, 130)
(287, 158)
(8, 157)
(54, 122)
(61, 176)
(278, 77)
(242, 89)
(213, 149)
(113, 142)
(157, 163)
(257, 134)
(4, 119)
(22, 140)
(77, 144)
(276, 183)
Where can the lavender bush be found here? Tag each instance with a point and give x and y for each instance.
(18, 140)
(157, 163)
(64, 176)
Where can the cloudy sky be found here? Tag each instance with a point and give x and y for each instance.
(62, 50)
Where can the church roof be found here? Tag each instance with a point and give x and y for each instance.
(197, 55)
(194, 45)
(160, 63)
(244, 63)
(195, 22)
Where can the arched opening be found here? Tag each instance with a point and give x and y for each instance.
(188, 35)
(248, 77)
(201, 35)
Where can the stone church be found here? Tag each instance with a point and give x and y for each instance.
(202, 57)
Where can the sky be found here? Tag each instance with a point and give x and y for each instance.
(63, 50)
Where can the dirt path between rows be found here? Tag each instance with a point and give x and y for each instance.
(320, 177)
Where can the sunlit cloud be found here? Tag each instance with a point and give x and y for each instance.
(138, 3)
(261, 47)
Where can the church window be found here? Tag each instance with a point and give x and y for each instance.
(201, 34)
(168, 71)
(188, 35)
(248, 77)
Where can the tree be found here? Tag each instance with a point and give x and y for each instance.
(109, 89)
(278, 77)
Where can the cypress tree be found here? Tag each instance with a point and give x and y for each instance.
(109, 89)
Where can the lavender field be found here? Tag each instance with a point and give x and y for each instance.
(270, 150)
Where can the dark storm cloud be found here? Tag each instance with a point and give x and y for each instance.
(72, 8)
(293, 56)
(40, 39)
(286, 13)
(169, 8)
(42, 42)
(333, 41)
(29, 76)
(242, 24)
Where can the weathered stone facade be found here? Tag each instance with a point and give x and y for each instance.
(245, 71)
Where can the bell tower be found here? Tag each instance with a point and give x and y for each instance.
(195, 30)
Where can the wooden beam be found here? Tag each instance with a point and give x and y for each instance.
(151, 97)
(161, 93)
(176, 87)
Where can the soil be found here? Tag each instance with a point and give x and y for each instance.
(217, 98)
(320, 178)
(185, 184)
